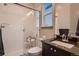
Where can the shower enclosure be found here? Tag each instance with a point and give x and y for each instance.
(31, 29)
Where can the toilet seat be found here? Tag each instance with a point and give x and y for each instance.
(34, 50)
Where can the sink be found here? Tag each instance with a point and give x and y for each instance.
(66, 45)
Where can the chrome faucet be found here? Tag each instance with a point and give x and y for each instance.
(64, 38)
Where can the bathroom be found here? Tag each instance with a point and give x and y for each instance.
(23, 27)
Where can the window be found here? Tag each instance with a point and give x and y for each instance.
(48, 20)
(47, 14)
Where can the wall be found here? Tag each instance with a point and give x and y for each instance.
(67, 16)
(74, 13)
(14, 16)
(63, 15)
(47, 32)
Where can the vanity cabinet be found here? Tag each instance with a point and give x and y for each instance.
(49, 50)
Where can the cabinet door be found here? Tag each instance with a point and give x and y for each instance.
(47, 50)
(59, 52)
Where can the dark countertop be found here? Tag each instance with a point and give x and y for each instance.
(74, 50)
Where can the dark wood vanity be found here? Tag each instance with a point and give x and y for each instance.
(49, 49)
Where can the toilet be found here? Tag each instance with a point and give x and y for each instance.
(35, 51)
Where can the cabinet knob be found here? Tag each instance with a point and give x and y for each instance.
(51, 48)
(55, 50)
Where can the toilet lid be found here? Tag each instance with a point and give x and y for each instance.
(34, 50)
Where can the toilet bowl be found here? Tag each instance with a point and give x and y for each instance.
(35, 51)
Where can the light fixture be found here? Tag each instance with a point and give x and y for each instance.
(30, 13)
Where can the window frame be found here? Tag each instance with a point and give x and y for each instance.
(44, 15)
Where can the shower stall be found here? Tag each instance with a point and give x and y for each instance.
(31, 30)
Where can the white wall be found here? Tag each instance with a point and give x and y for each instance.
(63, 15)
(13, 33)
(62, 19)
(74, 13)
(68, 15)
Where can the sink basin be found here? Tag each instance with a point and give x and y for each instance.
(66, 45)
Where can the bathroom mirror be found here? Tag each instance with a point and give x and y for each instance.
(47, 15)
